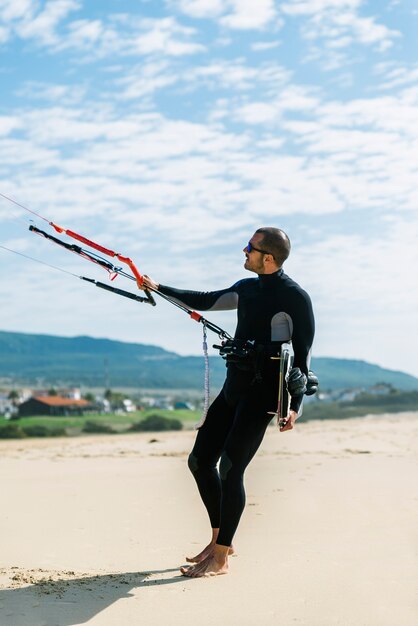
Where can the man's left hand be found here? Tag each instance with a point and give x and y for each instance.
(289, 421)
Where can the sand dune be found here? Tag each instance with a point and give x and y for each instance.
(94, 529)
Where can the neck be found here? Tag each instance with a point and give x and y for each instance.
(269, 270)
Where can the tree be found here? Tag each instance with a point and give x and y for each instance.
(14, 397)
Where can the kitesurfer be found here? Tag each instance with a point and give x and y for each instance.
(271, 309)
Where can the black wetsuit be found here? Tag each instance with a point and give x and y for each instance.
(271, 309)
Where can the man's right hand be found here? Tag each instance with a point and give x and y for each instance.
(149, 283)
(287, 423)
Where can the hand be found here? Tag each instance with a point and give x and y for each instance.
(149, 283)
(288, 422)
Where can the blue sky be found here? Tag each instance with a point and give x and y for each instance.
(171, 130)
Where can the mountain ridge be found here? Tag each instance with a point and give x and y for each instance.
(27, 358)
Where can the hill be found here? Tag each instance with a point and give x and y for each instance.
(84, 361)
(349, 373)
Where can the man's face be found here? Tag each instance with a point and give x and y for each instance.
(254, 260)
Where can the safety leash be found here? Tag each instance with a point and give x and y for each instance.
(206, 383)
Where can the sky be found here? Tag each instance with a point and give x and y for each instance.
(171, 130)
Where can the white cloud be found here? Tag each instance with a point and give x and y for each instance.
(365, 30)
(199, 8)
(11, 10)
(339, 23)
(394, 75)
(239, 75)
(43, 26)
(4, 34)
(146, 79)
(123, 35)
(151, 76)
(53, 93)
(349, 155)
(291, 98)
(120, 34)
(233, 14)
(165, 35)
(8, 123)
(248, 15)
(260, 46)
(315, 7)
(257, 113)
(85, 32)
(367, 168)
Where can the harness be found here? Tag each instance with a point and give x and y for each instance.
(249, 355)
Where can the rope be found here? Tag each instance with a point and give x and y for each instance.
(23, 207)
(206, 384)
(31, 258)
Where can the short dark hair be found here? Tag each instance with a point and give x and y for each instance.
(276, 242)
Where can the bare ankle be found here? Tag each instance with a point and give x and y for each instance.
(220, 553)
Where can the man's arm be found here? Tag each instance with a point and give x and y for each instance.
(221, 300)
(302, 339)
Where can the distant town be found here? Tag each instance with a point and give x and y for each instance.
(26, 402)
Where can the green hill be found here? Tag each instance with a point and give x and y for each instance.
(348, 373)
(84, 361)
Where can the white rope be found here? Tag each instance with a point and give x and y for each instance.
(31, 258)
(206, 385)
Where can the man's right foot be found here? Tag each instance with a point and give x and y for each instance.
(205, 553)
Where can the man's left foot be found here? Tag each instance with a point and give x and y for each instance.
(208, 567)
(206, 552)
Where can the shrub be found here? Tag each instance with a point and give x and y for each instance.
(156, 423)
(38, 430)
(11, 431)
(97, 428)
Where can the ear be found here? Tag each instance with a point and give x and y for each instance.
(271, 260)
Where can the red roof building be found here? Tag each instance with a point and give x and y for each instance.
(53, 405)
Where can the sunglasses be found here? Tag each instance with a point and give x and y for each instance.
(250, 247)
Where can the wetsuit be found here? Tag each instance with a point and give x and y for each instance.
(271, 309)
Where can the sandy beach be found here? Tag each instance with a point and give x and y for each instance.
(94, 529)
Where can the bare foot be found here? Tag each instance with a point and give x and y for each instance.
(205, 553)
(211, 566)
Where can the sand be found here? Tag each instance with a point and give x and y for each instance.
(93, 530)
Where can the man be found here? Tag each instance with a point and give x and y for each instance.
(272, 309)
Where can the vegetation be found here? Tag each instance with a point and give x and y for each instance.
(97, 427)
(364, 404)
(13, 395)
(11, 431)
(394, 401)
(37, 430)
(108, 423)
(154, 423)
(16, 431)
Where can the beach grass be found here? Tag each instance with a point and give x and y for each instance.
(119, 423)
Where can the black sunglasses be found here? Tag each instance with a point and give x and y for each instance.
(251, 247)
